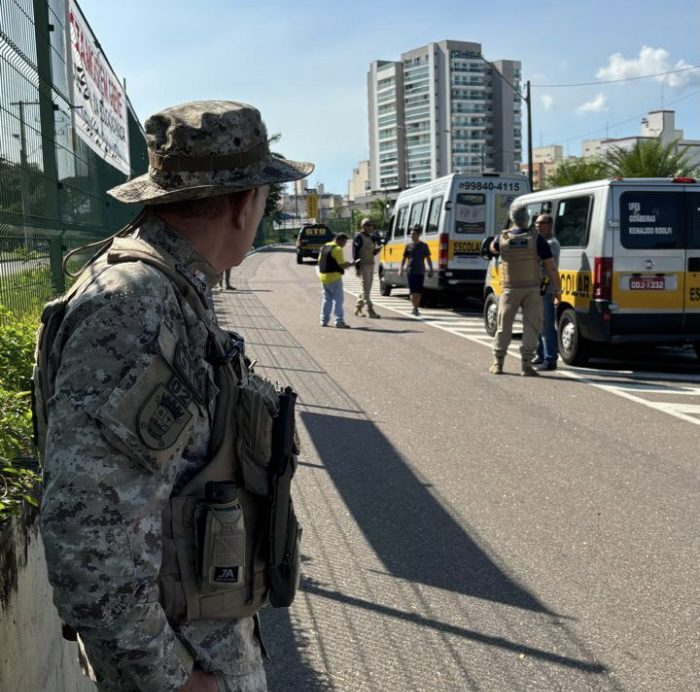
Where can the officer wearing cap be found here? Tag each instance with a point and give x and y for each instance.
(522, 250)
(134, 391)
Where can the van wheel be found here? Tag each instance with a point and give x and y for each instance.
(491, 314)
(300, 259)
(696, 346)
(384, 287)
(573, 348)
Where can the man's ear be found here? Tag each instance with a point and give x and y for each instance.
(241, 205)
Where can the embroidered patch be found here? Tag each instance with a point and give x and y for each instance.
(164, 415)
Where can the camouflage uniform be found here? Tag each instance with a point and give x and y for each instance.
(103, 498)
(104, 487)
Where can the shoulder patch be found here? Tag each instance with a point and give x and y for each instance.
(164, 416)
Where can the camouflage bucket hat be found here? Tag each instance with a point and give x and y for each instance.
(204, 149)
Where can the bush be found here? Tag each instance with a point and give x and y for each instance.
(17, 477)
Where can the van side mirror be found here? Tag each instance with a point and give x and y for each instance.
(485, 250)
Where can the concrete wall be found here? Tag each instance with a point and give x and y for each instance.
(33, 655)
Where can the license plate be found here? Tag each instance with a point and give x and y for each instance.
(647, 283)
(466, 247)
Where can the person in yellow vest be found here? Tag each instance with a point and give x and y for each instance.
(155, 513)
(522, 249)
(331, 267)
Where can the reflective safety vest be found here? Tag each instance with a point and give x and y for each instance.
(221, 557)
(520, 263)
(327, 264)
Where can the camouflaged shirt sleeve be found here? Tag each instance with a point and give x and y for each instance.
(103, 497)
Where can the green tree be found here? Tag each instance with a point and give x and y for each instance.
(650, 158)
(577, 171)
(378, 213)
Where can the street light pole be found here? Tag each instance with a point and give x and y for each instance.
(529, 134)
(527, 100)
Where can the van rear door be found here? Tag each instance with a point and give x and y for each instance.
(649, 258)
(691, 324)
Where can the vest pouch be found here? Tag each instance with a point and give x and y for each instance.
(283, 577)
(220, 544)
(257, 404)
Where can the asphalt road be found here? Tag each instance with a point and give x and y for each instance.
(470, 532)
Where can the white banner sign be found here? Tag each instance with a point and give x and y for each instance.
(98, 96)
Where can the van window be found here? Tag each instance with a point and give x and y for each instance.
(502, 204)
(434, 215)
(572, 220)
(470, 214)
(400, 225)
(535, 209)
(651, 220)
(417, 215)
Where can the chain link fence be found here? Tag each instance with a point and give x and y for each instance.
(52, 182)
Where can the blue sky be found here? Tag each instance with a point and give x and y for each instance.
(304, 63)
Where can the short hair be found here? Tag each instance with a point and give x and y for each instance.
(206, 208)
(545, 217)
(366, 222)
(519, 215)
(416, 228)
(340, 236)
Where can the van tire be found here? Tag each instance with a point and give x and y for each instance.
(696, 346)
(491, 314)
(300, 259)
(573, 348)
(384, 287)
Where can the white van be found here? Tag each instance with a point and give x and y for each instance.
(629, 263)
(455, 212)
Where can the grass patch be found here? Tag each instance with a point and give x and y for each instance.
(18, 468)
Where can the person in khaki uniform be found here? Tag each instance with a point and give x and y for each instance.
(522, 250)
(364, 250)
(148, 418)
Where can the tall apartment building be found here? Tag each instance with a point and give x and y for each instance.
(442, 109)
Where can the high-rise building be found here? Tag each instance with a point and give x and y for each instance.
(442, 109)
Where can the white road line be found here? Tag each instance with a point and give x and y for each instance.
(472, 329)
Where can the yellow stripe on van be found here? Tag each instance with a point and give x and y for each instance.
(576, 288)
(393, 250)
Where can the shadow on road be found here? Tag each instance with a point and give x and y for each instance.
(413, 535)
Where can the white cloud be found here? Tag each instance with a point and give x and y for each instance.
(650, 61)
(547, 101)
(595, 105)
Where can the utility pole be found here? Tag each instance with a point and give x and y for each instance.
(527, 100)
(529, 134)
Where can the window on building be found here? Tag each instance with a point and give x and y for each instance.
(572, 221)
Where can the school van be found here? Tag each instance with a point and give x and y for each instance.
(629, 264)
(455, 214)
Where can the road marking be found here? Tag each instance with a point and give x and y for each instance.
(472, 329)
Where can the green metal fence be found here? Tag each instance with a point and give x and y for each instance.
(52, 184)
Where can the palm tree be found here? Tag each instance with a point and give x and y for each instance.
(650, 158)
(577, 171)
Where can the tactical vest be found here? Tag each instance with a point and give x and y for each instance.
(327, 264)
(220, 555)
(520, 265)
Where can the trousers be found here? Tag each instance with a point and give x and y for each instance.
(367, 275)
(529, 301)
